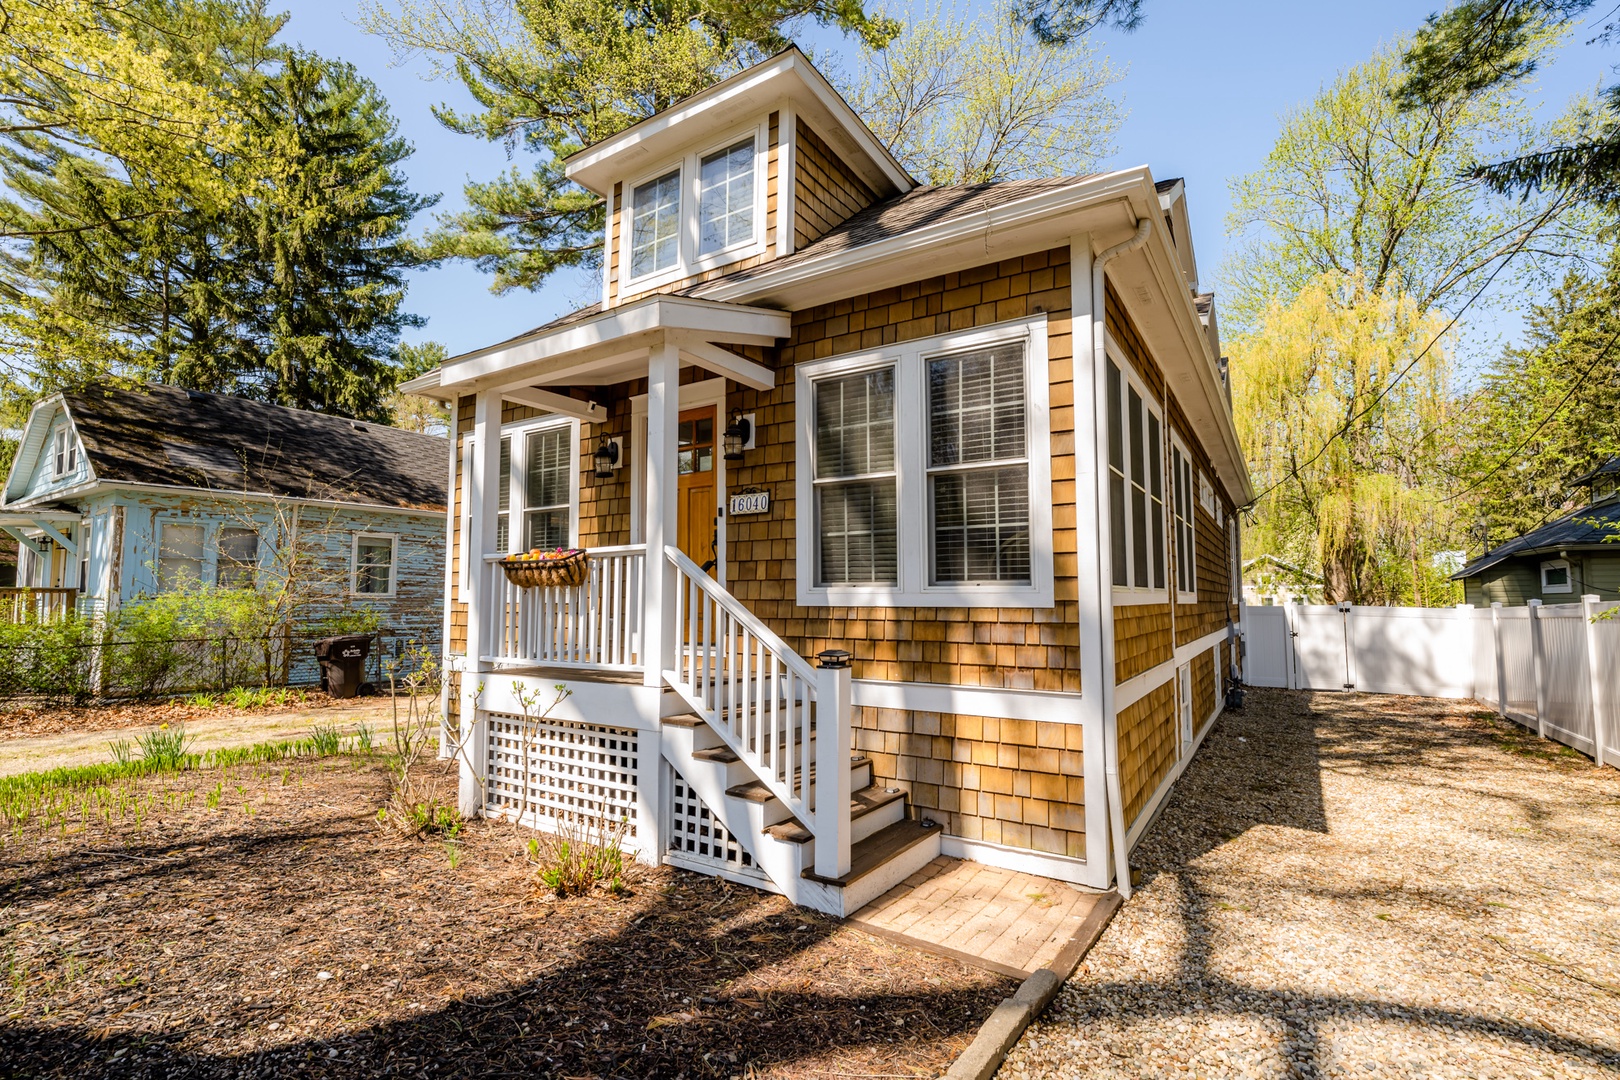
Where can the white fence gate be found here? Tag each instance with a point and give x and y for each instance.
(1555, 669)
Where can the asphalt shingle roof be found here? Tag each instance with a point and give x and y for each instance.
(1594, 526)
(185, 438)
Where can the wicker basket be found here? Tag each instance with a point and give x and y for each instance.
(560, 571)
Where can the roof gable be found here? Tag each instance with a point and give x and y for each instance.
(166, 436)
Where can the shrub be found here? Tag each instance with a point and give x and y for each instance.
(48, 658)
(580, 857)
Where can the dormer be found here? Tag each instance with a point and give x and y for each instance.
(697, 190)
(1603, 481)
(1173, 204)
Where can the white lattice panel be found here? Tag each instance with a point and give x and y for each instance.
(697, 836)
(576, 775)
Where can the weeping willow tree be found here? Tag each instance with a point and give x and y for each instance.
(1343, 405)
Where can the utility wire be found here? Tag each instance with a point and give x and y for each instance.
(1293, 471)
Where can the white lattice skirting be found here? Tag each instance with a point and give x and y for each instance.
(577, 776)
(698, 839)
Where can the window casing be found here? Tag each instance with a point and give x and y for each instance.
(372, 567)
(1182, 490)
(65, 458)
(701, 211)
(1556, 576)
(1135, 487)
(930, 477)
(548, 487)
(237, 552)
(180, 555)
(503, 509)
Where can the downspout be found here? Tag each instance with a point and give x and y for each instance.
(1105, 587)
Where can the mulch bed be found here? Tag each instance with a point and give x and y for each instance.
(31, 721)
(286, 932)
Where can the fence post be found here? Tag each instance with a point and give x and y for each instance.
(1538, 661)
(1501, 661)
(1589, 605)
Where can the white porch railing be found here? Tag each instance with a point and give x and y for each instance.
(789, 722)
(594, 625)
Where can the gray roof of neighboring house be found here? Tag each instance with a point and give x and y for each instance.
(1594, 526)
(185, 438)
(1608, 468)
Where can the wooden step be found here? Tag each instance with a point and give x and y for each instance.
(870, 854)
(756, 791)
(685, 720)
(861, 803)
(723, 755)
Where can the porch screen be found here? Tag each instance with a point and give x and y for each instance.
(855, 479)
(1135, 485)
(547, 488)
(978, 466)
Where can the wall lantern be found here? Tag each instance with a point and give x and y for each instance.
(606, 458)
(738, 436)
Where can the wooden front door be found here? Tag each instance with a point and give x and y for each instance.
(696, 450)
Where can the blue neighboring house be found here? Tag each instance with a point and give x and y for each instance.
(119, 494)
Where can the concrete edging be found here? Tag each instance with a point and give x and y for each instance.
(998, 1034)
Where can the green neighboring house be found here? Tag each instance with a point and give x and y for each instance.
(1563, 560)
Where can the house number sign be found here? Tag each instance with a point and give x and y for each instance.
(750, 502)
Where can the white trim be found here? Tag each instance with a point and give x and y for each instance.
(692, 396)
(1151, 811)
(1178, 446)
(787, 138)
(393, 565)
(1020, 860)
(910, 440)
(1129, 595)
(992, 701)
(518, 479)
(1139, 686)
(688, 169)
(1569, 576)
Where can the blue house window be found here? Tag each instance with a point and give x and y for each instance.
(373, 572)
(180, 556)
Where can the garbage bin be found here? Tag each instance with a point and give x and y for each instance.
(343, 663)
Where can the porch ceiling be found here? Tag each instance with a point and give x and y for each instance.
(613, 347)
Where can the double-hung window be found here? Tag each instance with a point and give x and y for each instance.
(237, 549)
(548, 487)
(655, 225)
(180, 555)
(1182, 480)
(978, 482)
(930, 473)
(67, 452)
(856, 497)
(372, 570)
(726, 198)
(1135, 488)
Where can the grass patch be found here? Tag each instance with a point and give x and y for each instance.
(99, 790)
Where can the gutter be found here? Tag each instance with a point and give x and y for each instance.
(1115, 797)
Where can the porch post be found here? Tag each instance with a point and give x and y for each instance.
(1501, 661)
(1594, 674)
(1539, 663)
(663, 414)
(834, 741)
(484, 502)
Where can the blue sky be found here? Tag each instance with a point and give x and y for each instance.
(1204, 89)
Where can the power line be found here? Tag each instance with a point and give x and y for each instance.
(1293, 471)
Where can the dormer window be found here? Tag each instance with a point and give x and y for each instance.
(655, 229)
(726, 198)
(67, 452)
(703, 210)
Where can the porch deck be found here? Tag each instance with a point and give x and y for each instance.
(1001, 920)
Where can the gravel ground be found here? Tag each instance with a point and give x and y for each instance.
(1351, 885)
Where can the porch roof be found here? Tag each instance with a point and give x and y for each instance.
(592, 347)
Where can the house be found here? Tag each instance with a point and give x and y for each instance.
(1574, 555)
(1269, 580)
(124, 493)
(974, 438)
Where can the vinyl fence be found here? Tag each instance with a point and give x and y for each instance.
(1553, 668)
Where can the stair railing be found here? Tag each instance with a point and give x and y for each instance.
(788, 721)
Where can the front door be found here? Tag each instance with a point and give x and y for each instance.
(695, 506)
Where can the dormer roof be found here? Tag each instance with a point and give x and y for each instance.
(787, 78)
